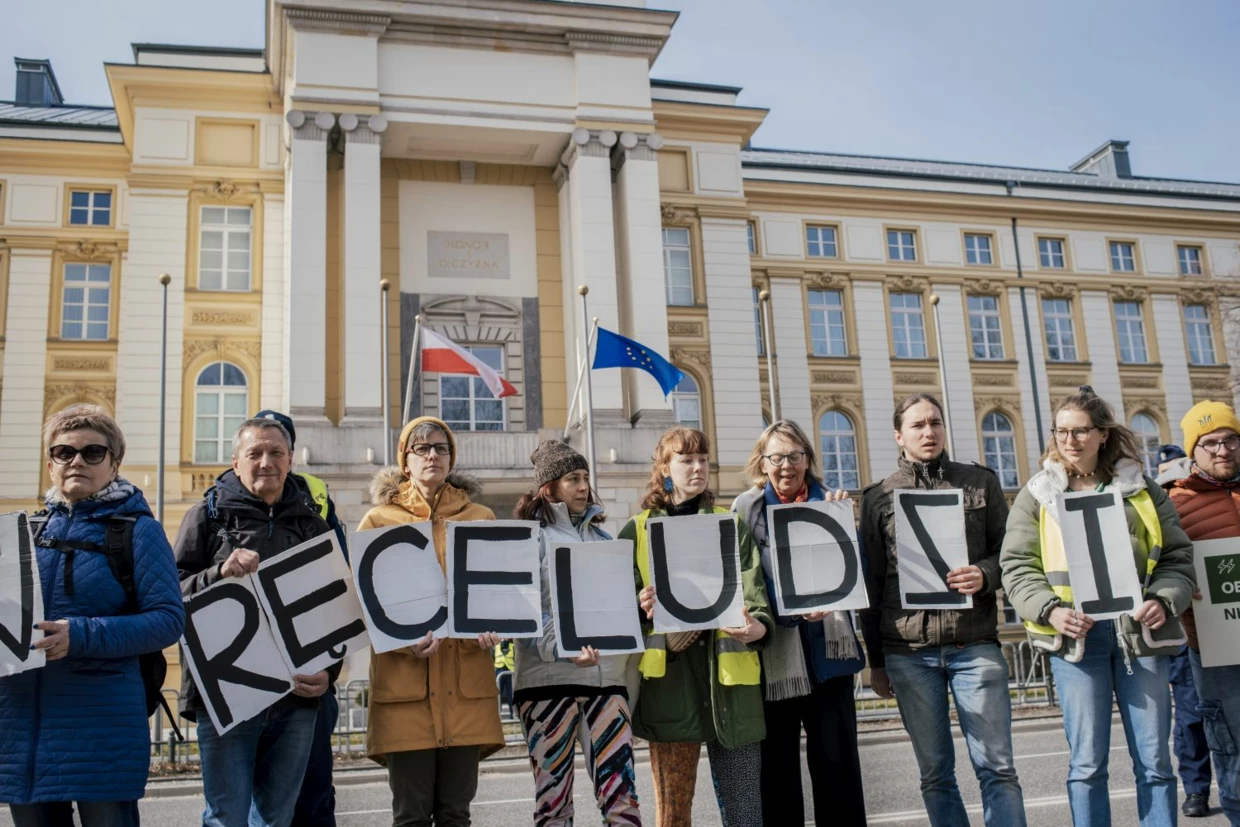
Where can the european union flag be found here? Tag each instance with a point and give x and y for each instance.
(615, 351)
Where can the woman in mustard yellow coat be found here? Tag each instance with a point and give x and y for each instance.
(433, 713)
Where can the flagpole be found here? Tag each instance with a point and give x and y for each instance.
(764, 299)
(413, 367)
(384, 286)
(581, 369)
(938, 337)
(585, 318)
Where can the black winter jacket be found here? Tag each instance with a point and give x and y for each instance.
(886, 626)
(247, 522)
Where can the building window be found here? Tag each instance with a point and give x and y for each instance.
(86, 302)
(751, 229)
(687, 403)
(1149, 438)
(999, 449)
(1123, 260)
(90, 208)
(466, 403)
(977, 249)
(820, 242)
(985, 327)
(677, 266)
(901, 245)
(1058, 323)
(1190, 260)
(221, 402)
(838, 440)
(1050, 253)
(908, 326)
(826, 323)
(757, 320)
(224, 248)
(1130, 328)
(1200, 334)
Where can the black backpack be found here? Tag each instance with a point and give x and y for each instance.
(118, 548)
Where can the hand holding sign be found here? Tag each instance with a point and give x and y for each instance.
(425, 647)
(1070, 622)
(55, 642)
(310, 686)
(241, 562)
(751, 632)
(1151, 614)
(966, 579)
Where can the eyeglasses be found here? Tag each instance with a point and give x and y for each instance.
(1077, 434)
(65, 454)
(779, 459)
(1227, 445)
(423, 449)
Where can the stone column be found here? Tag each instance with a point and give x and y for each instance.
(1177, 384)
(363, 376)
(1103, 352)
(788, 330)
(586, 172)
(639, 240)
(305, 194)
(25, 356)
(1029, 407)
(274, 390)
(877, 388)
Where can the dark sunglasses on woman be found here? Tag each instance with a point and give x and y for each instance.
(64, 454)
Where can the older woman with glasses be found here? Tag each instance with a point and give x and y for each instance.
(808, 668)
(75, 731)
(1097, 661)
(433, 710)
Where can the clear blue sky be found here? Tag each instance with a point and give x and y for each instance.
(1034, 83)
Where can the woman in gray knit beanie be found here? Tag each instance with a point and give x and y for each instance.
(558, 698)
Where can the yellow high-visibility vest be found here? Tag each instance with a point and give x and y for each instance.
(737, 664)
(318, 492)
(1055, 560)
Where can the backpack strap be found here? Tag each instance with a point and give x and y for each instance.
(118, 547)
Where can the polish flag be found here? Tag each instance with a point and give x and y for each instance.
(440, 355)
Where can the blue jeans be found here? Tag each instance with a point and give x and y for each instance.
(251, 774)
(1144, 699)
(91, 813)
(1217, 687)
(977, 675)
(316, 804)
(1192, 752)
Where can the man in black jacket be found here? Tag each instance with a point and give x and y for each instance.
(259, 512)
(918, 654)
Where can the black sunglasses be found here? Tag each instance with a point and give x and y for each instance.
(64, 454)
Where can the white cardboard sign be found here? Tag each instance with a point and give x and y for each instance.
(232, 653)
(1099, 550)
(400, 584)
(695, 567)
(1218, 612)
(930, 542)
(815, 556)
(592, 599)
(21, 596)
(494, 583)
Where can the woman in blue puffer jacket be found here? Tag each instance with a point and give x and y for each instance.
(75, 730)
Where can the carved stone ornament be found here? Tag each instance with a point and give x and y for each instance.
(676, 215)
(52, 393)
(1140, 382)
(1135, 404)
(684, 329)
(88, 249)
(222, 348)
(699, 359)
(992, 380)
(88, 363)
(474, 318)
(987, 403)
(985, 287)
(908, 284)
(915, 378)
(1126, 292)
(1057, 290)
(1199, 294)
(821, 403)
(222, 317)
(1211, 385)
(827, 378)
(823, 281)
(1068, 380)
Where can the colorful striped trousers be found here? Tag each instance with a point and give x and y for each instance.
(551, 730)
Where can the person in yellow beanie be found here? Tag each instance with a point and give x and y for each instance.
(432, 714)
(1207, 498)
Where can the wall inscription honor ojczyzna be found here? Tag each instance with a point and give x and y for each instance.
(477, 255)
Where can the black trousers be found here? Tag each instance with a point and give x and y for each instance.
(433, 786)
(316, 804)
(829, 717)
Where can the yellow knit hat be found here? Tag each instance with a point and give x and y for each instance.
(1205, 417)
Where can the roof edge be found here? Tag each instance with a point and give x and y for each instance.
(177, 49)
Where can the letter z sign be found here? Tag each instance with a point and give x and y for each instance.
(930, 542)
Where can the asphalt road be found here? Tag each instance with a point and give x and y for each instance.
(505, 792)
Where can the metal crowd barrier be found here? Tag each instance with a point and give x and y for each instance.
(1029, 682)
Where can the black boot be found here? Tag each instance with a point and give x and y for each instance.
(1196, 805)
